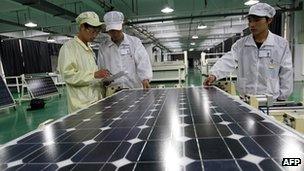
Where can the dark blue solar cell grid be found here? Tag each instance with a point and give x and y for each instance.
(41, 86)
(189, 129)
(6, 98)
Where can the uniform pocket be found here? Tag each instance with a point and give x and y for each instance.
(273, 85)
(273, 73)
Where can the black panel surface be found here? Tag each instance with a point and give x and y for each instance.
(190, 129)
(6, 98)
(41, 86)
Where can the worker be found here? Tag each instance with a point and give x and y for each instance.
(77, 64)
(262, 59)
(122, 52)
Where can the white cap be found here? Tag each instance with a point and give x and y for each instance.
(262, 10)
(113, 20)
(88, 17)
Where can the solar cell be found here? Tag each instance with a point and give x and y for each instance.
(6, 98)
(169, 129)
(41, 86)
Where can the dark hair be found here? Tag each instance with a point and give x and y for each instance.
(255, 16)
(86, 25)
(267, 18)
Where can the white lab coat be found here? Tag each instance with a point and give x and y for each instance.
(76, 64)
(130, 56)
(259, 71)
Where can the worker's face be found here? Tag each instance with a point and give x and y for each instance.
(116, 35)
(258, 25)
(89, 33)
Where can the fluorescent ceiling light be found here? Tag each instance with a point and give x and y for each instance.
(30, 24)
(51, 40)
(191, 49)
(251, 2)
(194, 37)
(201, 26)
(192, 43)
(167, 10)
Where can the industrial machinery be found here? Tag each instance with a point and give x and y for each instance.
(286, 112)
(208, 60)
(175, 68)
(294, 119)
(227, 86)
(169, 71)
(109, 90)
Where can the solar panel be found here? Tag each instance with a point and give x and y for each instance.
(166, 129)
(41, 86)
(6, 98)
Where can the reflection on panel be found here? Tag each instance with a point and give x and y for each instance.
(169, 129)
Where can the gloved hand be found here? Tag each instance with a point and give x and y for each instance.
(209, 80)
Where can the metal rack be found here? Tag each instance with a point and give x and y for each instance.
(17, 83)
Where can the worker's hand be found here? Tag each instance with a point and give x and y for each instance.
(146, 84)
(102, 73)
(209, 80)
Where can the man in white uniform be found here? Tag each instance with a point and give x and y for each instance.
(76, 64)
(122, 52)
(263, 59)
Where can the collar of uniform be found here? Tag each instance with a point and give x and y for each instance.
(250, 41)
(124, 42)
(270, 39)
(87, 48)
(268, 42)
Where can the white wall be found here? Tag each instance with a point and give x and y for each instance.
(299, 46)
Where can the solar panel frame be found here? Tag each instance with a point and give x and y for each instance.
(89, 156)
(34, 93)
(12, 102)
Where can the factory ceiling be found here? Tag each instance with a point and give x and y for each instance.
(172, 31)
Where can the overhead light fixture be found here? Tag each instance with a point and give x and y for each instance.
(194, 37)
(30, 24)
(192, 43)
(251, 2)
(191, 49)
(167, 10)
(201, 26)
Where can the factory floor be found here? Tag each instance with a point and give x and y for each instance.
(17, 122)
